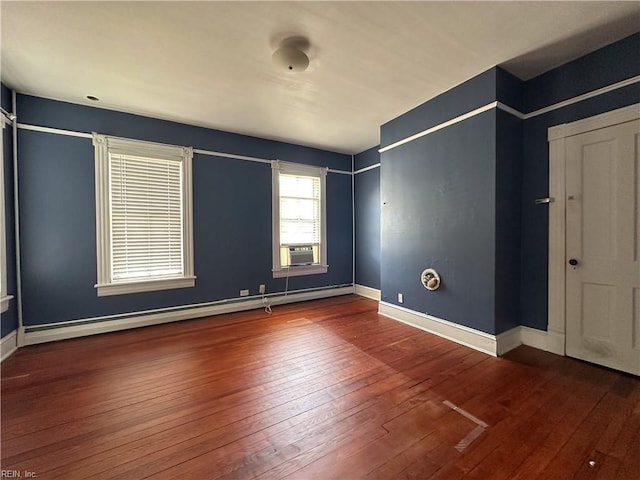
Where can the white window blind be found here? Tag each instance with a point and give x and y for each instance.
(300, 212)
(146, 217)
(144, 220)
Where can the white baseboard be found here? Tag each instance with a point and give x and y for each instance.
(494, 345)
(368, 292)
(8, 345)
(555, 342)
(533, 337)
(92, 326)
(507, 341)
(484, 342)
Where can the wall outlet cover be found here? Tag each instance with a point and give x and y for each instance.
(244, 293)
(262, 288)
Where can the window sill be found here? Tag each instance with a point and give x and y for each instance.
(298, 271)
(4, 303)
(144, 286)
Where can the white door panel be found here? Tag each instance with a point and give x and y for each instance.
(603, 220)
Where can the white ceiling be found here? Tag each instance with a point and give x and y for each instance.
(209, 63)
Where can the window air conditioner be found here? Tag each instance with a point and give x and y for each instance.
(300, 255)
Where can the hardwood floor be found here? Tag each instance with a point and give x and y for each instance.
(317, 390)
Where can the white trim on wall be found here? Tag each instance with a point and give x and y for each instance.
(364, 291)
(8, 345)
(557, 214)
(71, 133)
(512, 111)
(105, 147)
(366, 169)
(584, 96)
(4, 297)
(534, 338)
(16, 220)
(494, 345)
(440, 126)
(507, 341)
(54, 131)
(469, 337)
(92, 326)
(231, 155)
(353, 221)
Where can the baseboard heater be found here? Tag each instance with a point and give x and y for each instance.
(186, 312)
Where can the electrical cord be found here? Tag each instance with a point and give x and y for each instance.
(265, 300)
(286, 284)
(267, 304)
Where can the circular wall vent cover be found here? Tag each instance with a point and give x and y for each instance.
(430, 279)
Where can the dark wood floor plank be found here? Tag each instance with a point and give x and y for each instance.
(224, 415)
(317, 390)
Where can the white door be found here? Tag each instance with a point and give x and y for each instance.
(603, 246)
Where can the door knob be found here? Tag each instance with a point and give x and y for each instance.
(573, 262)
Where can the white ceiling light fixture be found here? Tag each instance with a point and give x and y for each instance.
(290, 56)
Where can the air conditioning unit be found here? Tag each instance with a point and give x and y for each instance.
(300, 255)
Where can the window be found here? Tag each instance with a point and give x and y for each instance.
(143, 216)
(299, 220)
(4, 298)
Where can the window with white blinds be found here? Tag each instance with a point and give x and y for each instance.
(146, 217)
(143, 193)
(299, 228)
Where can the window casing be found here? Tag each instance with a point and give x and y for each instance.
(4, 297)
(299, 217)
(144, 225)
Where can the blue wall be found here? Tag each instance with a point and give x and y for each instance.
(507, 217)
(367, 218)
(467, 96)
(470, 188)
(439, 196)
(231, 209)
(9, 319)
(609, 65)
(521, 169)
(438, 208)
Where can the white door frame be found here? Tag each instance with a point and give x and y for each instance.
(556, 136)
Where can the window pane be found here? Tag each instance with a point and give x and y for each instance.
(295, 186)
(146, 218)
(299, 209)
(295, 208)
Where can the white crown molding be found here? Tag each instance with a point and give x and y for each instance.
(368, 292)
(81, 328)
(8, 345)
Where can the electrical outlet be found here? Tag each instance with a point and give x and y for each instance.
(400, 298)
(244, 293)
(262, 288)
